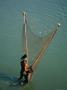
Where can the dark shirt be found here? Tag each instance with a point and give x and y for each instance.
(22, 65)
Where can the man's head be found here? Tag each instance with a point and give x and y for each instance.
(24, 57)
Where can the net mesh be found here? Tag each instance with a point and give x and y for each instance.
(36, 38)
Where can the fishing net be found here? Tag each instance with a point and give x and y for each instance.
(37, 38)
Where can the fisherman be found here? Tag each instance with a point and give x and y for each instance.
(25, 70)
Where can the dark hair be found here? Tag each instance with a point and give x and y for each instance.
(24, 56)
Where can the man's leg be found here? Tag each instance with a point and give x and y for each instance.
(21, 75)
(26, 79)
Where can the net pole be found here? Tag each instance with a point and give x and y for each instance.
(25, 33)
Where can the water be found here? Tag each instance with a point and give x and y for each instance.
(51, 73)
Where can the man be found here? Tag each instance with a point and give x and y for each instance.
(25, 69)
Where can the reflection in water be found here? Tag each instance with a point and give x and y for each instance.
(6, 82)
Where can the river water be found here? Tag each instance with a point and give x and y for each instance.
(51, 73)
